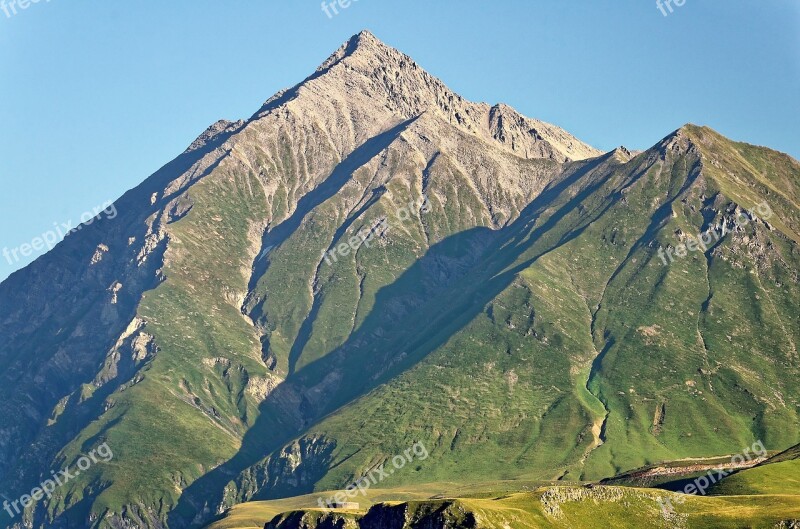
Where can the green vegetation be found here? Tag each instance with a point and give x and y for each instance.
(553, 507)
(778, 475)
(557, 346)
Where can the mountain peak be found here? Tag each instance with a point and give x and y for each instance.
(364, 40)
(367, 70)
(363, 44)
(366, 36)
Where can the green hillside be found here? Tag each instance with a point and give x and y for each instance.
(561, 507)
(570, 307)
(778, 475)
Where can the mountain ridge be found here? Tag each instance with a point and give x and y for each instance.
(223, 359)
(392, 73)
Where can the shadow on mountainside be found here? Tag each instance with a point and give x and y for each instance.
(33, 346)
(301, 400)
(340, 175)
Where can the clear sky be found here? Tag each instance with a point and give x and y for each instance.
(96, 95)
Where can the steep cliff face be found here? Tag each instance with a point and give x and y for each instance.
(372, 262)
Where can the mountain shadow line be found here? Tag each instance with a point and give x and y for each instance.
(294, 406)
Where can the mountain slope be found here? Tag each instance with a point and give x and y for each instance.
(779, 474)
(371, 261)
(528, 320)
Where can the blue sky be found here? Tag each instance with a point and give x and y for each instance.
(98, 95)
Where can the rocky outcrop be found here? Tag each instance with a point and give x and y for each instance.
(445, 514)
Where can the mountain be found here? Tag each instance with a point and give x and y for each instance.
(371, 263)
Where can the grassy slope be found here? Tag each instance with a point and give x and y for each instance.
(778, 475)
(553, 508)
(508, 365)
(174, 404)
(555, 288)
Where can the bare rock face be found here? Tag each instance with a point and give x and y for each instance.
(364, 69)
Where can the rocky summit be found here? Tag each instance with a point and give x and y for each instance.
(372, 270)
